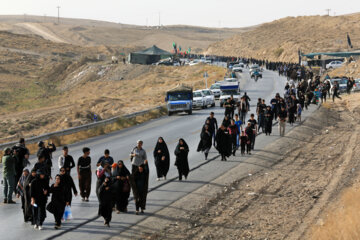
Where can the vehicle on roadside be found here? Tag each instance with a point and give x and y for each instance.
(231, 80)
(199, 99)
(210, 98)
(334, 64)
(342, 84)
(229, 89)
(179, 99)
(356, 85)
(215, 89)
(194, 62)
(238, 68)
(256, 75)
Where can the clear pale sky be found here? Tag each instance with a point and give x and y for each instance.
(209, 13)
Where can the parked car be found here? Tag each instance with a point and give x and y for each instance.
(210, 98)
(334, 64)
(199, 99)
(215, 89)
(342, 84)
(238, 68)
(356, 85)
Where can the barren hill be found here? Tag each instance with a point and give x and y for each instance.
(281, 39)
(92, 33)
(48, 86)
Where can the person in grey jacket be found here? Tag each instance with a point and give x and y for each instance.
(138, 156)
(9, 173)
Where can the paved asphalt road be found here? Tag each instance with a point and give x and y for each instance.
(86, 225)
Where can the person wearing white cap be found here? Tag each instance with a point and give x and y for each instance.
(138, 156)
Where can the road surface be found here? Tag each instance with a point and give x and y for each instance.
(86, 224)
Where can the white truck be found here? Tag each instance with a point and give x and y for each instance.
(228, 89)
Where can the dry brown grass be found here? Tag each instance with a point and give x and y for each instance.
(280, 40)
(343, 220)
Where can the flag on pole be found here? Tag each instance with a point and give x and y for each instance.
(349, 41)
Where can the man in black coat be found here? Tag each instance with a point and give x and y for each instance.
(213, 125)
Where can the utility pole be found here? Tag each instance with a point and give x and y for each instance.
(58, 7)
(159, 20)
(328, 11)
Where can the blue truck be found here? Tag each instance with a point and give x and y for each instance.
(179, 99)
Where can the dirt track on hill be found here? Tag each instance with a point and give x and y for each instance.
(309, 169)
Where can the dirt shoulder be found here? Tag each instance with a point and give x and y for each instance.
(301, 174)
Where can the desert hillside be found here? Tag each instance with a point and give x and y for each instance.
(280, 40)
(93, 33)
(48, 86)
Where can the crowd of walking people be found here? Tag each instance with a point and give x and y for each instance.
(114, 181)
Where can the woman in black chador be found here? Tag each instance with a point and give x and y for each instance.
(105, 201)
(182, 164)
(59, 195)
(268, 120)
(205, 141)
(139, 182)
(162, 159)
(121, 186)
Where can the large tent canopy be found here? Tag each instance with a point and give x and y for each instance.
(332, 54)
(149, 56)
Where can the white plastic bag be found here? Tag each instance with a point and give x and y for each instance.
(67, 213)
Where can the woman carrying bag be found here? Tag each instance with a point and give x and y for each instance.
(58, 201)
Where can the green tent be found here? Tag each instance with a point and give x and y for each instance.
(332, 54)
(149, 56)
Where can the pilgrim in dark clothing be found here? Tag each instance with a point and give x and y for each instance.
(234, 132)
(58, 200)
(244, 142)
(121, 186)
(249, 131)
(84, 173)
(21, 191)
(102, 173)
(47, 153)
(268, 120)
(27, 197)
(223, 143)
(39, 191)
(162, 158)
(105, 201)
(139, 181)
(68, 183)
(226, 122)
(205, 141)
(181, 162)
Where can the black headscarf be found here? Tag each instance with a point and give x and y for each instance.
(122, 172)
(163, 147)
(186, 147)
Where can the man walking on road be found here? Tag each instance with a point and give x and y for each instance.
(8, 175)
(254, 126)
(243, 109)
(84, 173)
(138, 156)
(213, 125)
(282, 121)
(66, 161)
